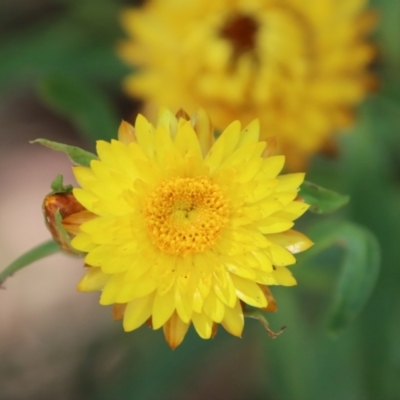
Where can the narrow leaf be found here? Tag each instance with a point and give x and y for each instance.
(83, 103)
(76, 154)
(322, 200)
(358, 276)
(358, 273)
(35, 254)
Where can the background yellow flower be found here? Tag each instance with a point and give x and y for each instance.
(298, 65)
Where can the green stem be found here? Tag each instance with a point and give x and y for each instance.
(35, 254)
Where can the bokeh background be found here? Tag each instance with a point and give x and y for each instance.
(61, 79)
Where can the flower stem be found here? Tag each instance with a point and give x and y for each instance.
(43, 250)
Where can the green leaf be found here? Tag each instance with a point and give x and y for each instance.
(359, 271)
(87, 107)
(35, 254)
(63, 44)
(322, 200)
(57, 186)
(76, 154)
(358, 277)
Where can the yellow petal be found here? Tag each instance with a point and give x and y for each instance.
(93, 280)
(233, 320)
(137, 312)
(203, 325)
(112, 289)
(293, 210)
(145, 135)
(250, 133)
(273, 224)
(145, 285)
(249, 292)
(197, 301)
(284, 277)
(187, 142)
(240, 269)
(264, 260)
(292, 240)
(224, 288)
(118, 311)
(163, 308)
(83, 242)
(175, 330)
(168, 120)
(126, 133)
(73, 222)
(214, 307)
(203, 127)
(83, 175)
(105, 153)
(230, 138)
(272, 166)
(290, 182)
(249, 172)
(86, 198)
(215, 155)
(100, 169)
(164, 145)
(183, 306)
(280, 256)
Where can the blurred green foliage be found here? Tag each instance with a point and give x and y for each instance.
(65, 50)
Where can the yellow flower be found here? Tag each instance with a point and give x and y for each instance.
(298, 65)
(183, 230)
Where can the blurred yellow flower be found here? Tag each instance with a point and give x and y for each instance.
(183, 230)
(299, 65)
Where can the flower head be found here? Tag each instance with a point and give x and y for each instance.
(298, 65)
(183, 230)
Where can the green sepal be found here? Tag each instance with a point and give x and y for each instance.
(65, 235)
(76, 154)
(321, 200)
(37, 253)
(57, 185)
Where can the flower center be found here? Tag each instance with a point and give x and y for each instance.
(185, 215)
(241, 31)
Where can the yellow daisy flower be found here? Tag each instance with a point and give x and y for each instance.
(298, 65)
(178, 229)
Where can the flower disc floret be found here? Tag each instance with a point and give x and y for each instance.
(185, 215)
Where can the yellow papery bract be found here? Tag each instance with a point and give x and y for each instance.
(82, 242)
(292, 240)
(233, 320)
(299, 66)
(83, 175)
(290, 182)
(163, 308)
(249, 292)
(203, 325)
(179, 234)
(284, 277)
(93, 280)
(175, 330)
(137, 312)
